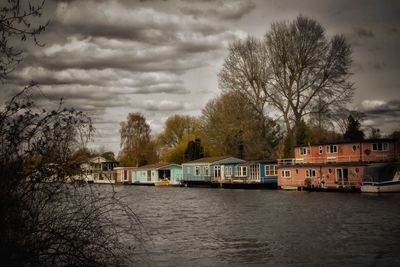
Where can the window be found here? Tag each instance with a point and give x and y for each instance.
(380, 147)
(354, 148)
(331, 149)
(228, 171)
(241, 171)
(197, 171)
(303, 150)
(320, 150)
(311, 173)
(206, 171)
(385, 146)
(330, 171)
(285, 173)
(217, 171)
(271, 170)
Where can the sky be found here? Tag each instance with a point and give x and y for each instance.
(162, 57)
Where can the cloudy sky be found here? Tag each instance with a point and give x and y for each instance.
(111, 57)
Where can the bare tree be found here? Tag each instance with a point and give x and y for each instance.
(292, 69)
(17, 22)
(135, 140)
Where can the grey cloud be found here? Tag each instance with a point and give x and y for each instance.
(120, 82)
(193, 11)
(231, 10)
(363, 33)
(384, 110)
(227, 10)
(163, 105)
(111, 19)
(392, 30)
(379, 66)
(100, 53)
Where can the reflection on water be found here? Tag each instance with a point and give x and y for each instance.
(220, 227)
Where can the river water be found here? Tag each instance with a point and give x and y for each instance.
(224, 227)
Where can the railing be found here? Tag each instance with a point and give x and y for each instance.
(105, 176)
(333, 158)
(234, 180)
(191, 177)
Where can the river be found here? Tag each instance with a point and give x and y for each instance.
(223, 227)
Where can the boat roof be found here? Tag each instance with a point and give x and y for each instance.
(325, 164)
(265, 161)
(338, 142)
(213, 160)
(157, 166)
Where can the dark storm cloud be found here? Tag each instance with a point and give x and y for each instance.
(228, 10)
(383, 109)
(104, 80)
(364, 33)
(113, 20)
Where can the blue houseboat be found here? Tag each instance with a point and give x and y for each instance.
(153, 173)
(206, 171)
(251, 174)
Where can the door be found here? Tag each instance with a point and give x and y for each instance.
(342, 176)
(217, 171)
(148, 176)
(254, 172)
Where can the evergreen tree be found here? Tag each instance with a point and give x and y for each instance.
(303, 135)
(287, 146)
(194, 150)
(353, 131)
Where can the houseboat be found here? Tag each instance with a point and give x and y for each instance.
(207, 171)
(99, 169)
(124, 175)
(333, 166)
(249, 174)
(152, 174)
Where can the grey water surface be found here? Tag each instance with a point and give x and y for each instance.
(225, 227)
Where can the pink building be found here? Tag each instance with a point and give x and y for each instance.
(333, 165)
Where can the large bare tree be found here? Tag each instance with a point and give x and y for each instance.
(294, 69)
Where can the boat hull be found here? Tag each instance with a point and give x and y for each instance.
(381, 187)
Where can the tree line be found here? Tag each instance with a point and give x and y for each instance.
(289, 88)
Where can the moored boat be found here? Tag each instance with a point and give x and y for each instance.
(381, 178)
(162, 182)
